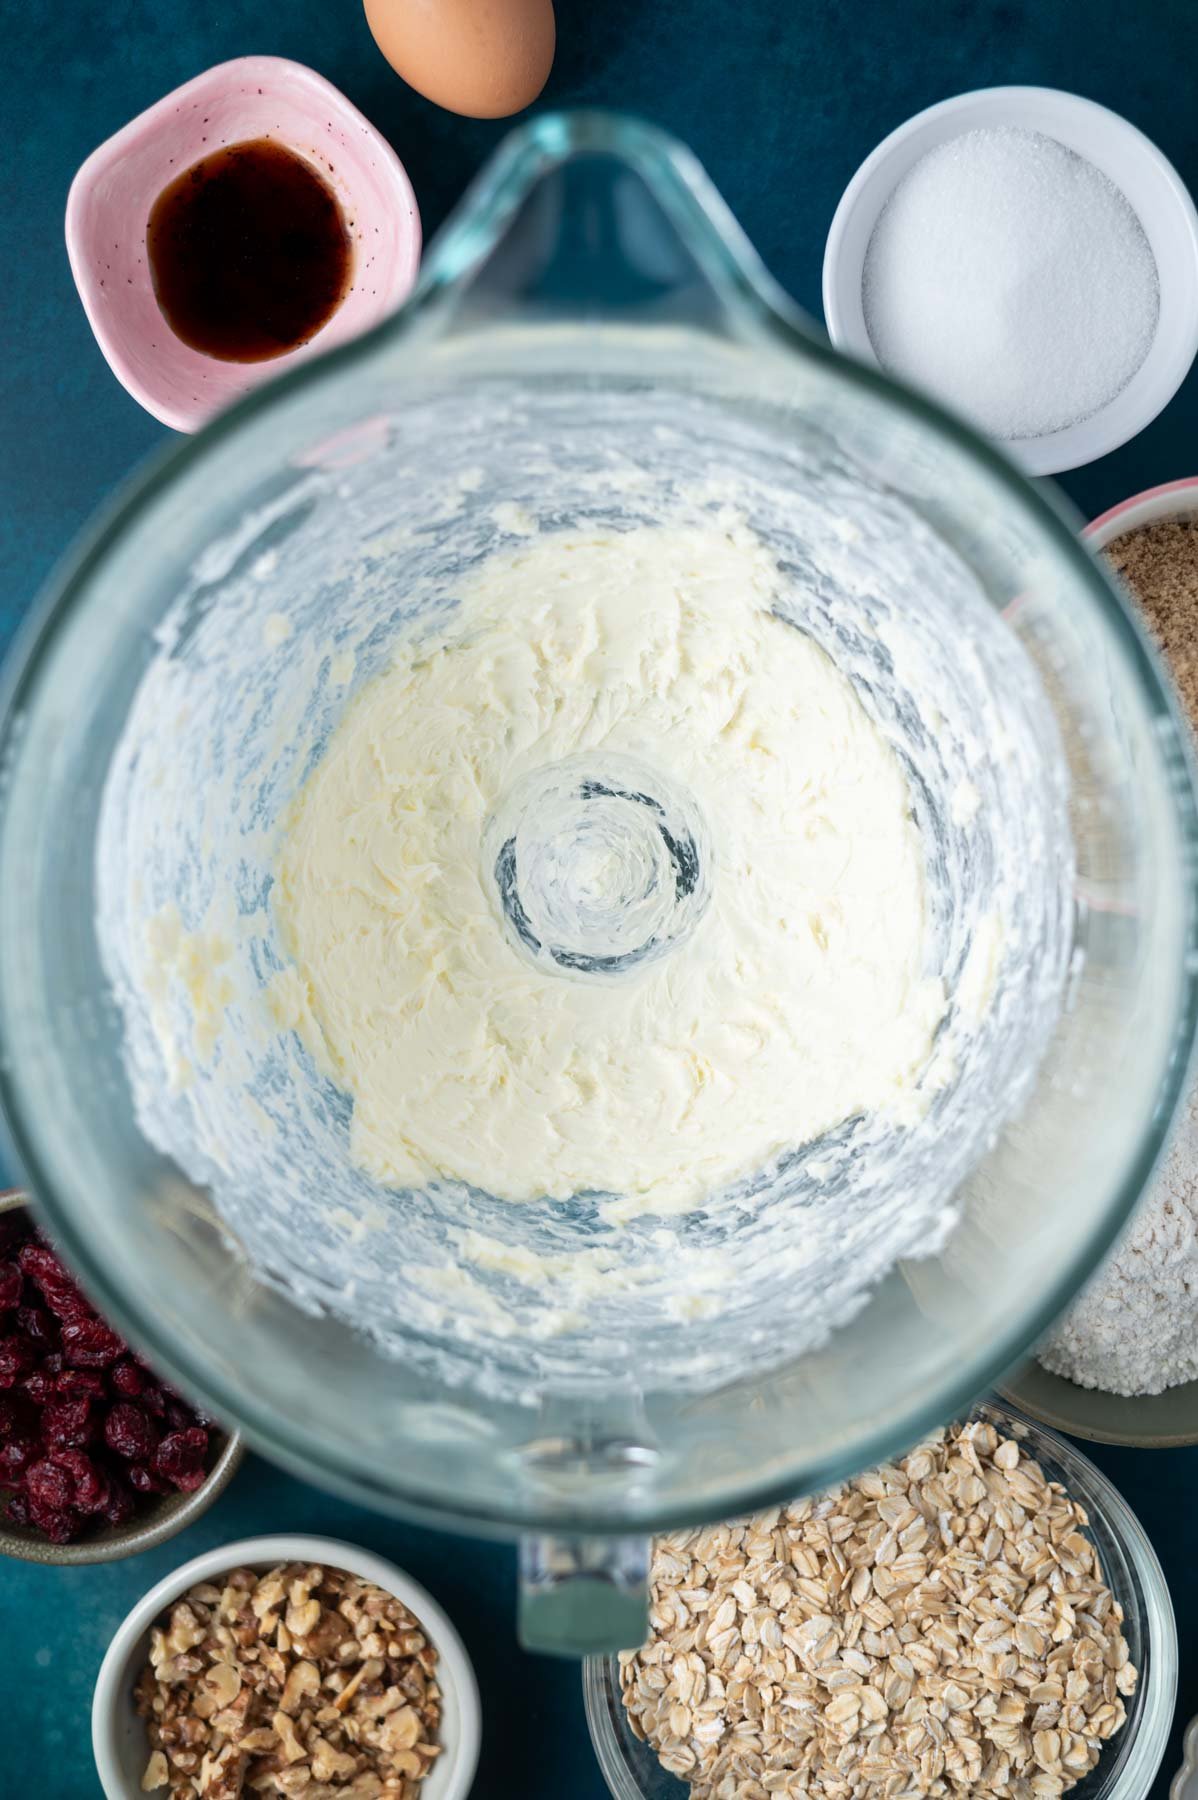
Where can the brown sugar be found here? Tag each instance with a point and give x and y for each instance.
(1159, 564)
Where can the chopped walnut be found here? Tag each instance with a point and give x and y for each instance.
(302, 1683)
(156, 1774)
(305, 1682)
(290, 1747)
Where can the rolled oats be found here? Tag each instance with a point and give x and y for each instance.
(306, 1682)
(938, 1627)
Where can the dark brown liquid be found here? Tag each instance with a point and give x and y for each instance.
(248, 252)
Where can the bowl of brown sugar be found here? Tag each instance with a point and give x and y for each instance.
(1151, 543)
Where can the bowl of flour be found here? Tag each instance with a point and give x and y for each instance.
(1122, 1365)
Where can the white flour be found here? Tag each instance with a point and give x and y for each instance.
(1135, 1329)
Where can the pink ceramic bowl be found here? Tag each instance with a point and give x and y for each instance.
(111, 197)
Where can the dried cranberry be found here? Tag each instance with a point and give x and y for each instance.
(39, 1326)
(90, 1344)
(69, 1380)
(130, 1432)
(181, 1457)
(18, 1510)
(39, 1262)
(48, 1486)
(73, 1384)
(16, 1454)
(92, 1485)
(143, 1479)
(128, 1378)
(17, 1358)
(59, 1524)
(67, 1423)
(121, 1503)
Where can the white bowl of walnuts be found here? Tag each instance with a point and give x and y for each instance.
(286, 1665)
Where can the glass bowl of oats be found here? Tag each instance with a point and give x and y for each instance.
(286, 1665)
(984, 1614)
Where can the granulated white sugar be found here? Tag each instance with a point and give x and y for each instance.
(1011, 279)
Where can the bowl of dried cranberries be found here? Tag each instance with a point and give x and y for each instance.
(99, 1458)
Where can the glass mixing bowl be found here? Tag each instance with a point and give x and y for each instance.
(1128, 1764)
(592, 343)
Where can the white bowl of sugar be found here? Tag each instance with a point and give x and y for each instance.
(1028, 258)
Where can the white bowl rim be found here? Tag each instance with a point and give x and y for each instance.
(1078, 444)
(456, 1669)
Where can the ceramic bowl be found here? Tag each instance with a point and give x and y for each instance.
(1152, 187)
(1147, 1421)
(111, 197)
(119, 1737)
(1143, 1421)
(154, 1521)
(1127, 1765)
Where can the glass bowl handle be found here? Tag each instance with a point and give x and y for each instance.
(583, 1596)
(591, 219)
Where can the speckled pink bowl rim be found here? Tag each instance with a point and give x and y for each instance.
(111, 197)
(1164, 491)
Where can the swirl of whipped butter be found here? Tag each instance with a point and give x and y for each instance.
(609, 886)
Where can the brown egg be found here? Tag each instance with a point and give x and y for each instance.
(482, 58)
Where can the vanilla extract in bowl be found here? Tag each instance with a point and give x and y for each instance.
(249, 252)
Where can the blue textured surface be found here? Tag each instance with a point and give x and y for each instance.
(781, 102)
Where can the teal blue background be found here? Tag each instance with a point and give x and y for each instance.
(781, 100)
